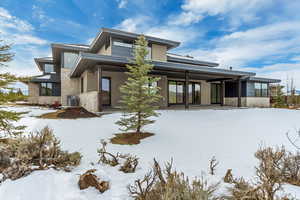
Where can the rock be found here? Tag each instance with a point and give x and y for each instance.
(4, 160)
(228, 177)
(88, 179)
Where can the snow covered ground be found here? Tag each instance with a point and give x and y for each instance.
(191, 138)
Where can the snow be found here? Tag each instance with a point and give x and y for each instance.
(190, 137)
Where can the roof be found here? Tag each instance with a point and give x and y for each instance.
(106, 32)
(50, 78)
(87, 59)
(39, 61)
(264, 80)
(189, 60)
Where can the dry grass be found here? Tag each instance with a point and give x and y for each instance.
(69, 113)
(129, 138)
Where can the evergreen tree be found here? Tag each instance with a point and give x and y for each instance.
(7, 117)
(139, 93)
(279, 98)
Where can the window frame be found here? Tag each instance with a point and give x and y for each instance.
(260, 91)
(49, 72)
(46, 91)
(63, 59)
(109, 79)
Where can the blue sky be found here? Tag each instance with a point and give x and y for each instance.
(262, 36)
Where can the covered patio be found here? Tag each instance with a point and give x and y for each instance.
(186, 76)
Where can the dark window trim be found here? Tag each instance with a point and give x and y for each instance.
(219, 102)
(82, 84)
(260, 93)
(40, 89)
(109, 78)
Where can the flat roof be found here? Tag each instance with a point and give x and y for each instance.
(189, 60)
(106, 32)
(264, 80)
(86, 59)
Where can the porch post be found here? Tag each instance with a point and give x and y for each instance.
(99, 88)
(222, 92)
(239, 92)
(186, 90)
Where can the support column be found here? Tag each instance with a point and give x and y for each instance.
(239, 92)
(222, 92)
(186, 90)
(99, 88)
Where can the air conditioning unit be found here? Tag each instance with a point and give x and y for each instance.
(72, 100)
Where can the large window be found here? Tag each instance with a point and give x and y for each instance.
(194, 93)
(176, 92)
(49, 68)
(261, 89)
(46, 89)
(106, 91)
(69, 59)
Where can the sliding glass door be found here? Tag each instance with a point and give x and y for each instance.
(215, 93)
(177, 94)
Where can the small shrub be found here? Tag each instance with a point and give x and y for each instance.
(41, 149)
(130, 164)
(170, 184)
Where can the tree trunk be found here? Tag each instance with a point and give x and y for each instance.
(138, 130)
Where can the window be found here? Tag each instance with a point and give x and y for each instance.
(176, 92)
(69, 59)
(46, 89)
(81, 84)
(261, 89)
(49, 68)
(106, 91)
(194, 93)
(122, 43)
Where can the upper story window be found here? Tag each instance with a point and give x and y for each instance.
(261, 89)
(69, 59)
(122, 43)
(49, 68)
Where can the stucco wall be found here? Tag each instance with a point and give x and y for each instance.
(89, 81)
(159, 52)
(104, 51)
(163, 85)
(33, 89)
(89, 100)
(205, 93)
(69, 86)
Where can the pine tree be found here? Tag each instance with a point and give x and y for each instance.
(7, 117)
(279, 98)
(139, 93)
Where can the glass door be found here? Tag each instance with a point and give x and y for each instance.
(176, 92)
(106, 91)
(215, 93)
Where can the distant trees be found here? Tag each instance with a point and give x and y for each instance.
(139, 93)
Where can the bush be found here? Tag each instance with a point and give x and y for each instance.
(36, 152)
(130, 162)
(170, 184)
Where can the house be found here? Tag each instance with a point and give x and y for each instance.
(93, 74)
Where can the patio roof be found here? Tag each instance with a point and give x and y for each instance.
(264, 80)
(50, 78)
(86, 60)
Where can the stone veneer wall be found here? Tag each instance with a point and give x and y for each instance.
(89, 100)
(69, 86)
(249, 101)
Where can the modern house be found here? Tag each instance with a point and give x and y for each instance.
(93, 74)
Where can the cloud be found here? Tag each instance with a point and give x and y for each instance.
(122, 3)
(143, 24)
(25, 45)
(238, 10)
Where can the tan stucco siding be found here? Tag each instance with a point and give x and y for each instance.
(105, 51)
(159, 52)
(69, 86)
(205, 93)
(89, 81)
(89, 100)
(33, 89)
(117, 79)
(163, 85)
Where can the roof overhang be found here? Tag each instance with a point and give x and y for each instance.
(57, 49)
(40, 61)
(263, 80)
(106, 33)
(87, 60)
(49, 78)
(191, 61)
